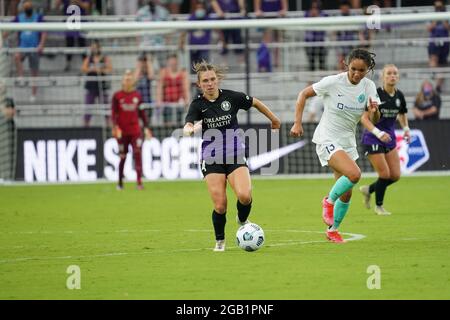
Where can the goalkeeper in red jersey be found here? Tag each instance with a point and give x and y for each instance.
(126, 127)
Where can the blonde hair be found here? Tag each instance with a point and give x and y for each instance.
(204, 66)
(383, 71)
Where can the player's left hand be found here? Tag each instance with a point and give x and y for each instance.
(372, 105)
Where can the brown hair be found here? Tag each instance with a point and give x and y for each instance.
(204, 66)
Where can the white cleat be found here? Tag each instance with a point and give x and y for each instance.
(239, 222)
(366, 194)
(220, 246)
(379, 210)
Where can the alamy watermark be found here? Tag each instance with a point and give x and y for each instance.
(74, 280)
(374, 21)
(374, 280)
(229, 146)
(73, 22)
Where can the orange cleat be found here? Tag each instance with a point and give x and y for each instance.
(327, 212)
(334, 236)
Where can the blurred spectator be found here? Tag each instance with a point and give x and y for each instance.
(96, 65)
(267, 8)
(356, 4)
(346, 35)
(125, 7)
(428, 103)
(11, 7)
(315, 53)
(73, 37)
(221, 8)
(144, 75)
(8, 109)
(30, 40)
(152, 11)
(172, 5)
(172, 91)
(198, 37)
(270, 6)
(438, 49)
(382, 3)
(263, 55)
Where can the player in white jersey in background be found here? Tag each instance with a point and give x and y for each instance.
(346, 97)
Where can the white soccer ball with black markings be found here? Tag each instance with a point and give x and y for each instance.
(250, 237)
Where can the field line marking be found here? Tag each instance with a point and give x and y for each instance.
(353, 237)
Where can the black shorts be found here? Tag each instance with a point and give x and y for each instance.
(222, 168)
(375, 148)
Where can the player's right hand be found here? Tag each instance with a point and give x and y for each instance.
(188, 131)
(385, 137)
(296, 130)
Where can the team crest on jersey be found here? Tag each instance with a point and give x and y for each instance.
(135, 100)
(397, 102)
(362, 98)
(226, 106)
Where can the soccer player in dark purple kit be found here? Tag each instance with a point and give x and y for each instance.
(383, 155)
(223, 159)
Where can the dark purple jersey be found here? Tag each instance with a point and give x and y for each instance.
(219, 117)
(390, 107)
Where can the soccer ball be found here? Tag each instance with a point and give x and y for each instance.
(250, 237)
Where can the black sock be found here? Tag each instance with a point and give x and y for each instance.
(380, 189)
(243, 211)
(219, 221)
(372, 187)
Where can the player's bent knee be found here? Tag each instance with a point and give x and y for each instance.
(220, 208)
(395, 177)
(354, 176)
(245, 198)
(384, 174)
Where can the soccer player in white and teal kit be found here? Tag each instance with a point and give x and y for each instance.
(346, 96)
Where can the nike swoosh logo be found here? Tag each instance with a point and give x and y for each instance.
(340, 95)
(204, 110)
(263, 159)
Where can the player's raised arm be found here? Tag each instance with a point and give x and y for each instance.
(276, 123)
(297, 128)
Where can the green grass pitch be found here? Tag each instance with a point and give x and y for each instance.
(157, 243)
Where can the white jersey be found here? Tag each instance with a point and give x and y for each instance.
(344, 104)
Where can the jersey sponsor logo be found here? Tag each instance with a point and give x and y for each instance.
(225, 105)
(361, 98)
(414, 154)
(129, 106)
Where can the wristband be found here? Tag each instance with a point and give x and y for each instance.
(377, 132)
(406, 129)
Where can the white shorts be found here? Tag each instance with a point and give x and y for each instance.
(326, 151)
